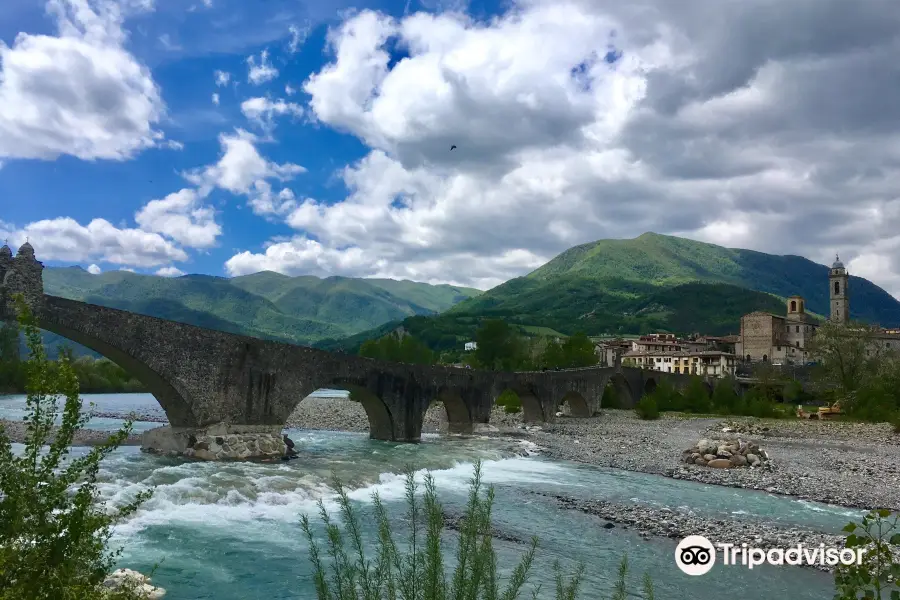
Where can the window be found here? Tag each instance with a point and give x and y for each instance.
(765, 358)
(837, 288)
(797, 329)
(793, 306)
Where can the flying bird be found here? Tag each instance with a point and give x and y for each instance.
(452, 148)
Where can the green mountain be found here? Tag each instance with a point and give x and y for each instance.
(299, 310)
(650, 283)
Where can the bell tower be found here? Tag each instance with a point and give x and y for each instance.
(840, 303)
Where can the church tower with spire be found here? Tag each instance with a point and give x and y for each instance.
(840, 303)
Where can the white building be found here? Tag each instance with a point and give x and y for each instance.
(711, 363)
(471, 346)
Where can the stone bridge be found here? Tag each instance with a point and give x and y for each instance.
(205, 378)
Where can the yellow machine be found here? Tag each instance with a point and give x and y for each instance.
(824, 412)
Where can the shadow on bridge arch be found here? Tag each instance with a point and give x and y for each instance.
(649, 386)
(177, 410)
(577, 405)
(626, 397)
(459, 420)
(532, 408)
(381, 422)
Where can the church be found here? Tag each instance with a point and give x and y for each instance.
(784, 339)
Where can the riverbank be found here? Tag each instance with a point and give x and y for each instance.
(16, 431)
(856, 465)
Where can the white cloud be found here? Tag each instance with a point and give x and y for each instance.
(222, 78)
(577, 120)
(182, 217)
(66, 240)
(262, 111)
(243, 170)
(298, 36)
(289, 90)
(80, 92)
(170, 271)
(260, 73)
(94, 270)
(215, 99)
(129, 269)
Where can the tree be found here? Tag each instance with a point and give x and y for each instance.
(846, 354)
(53, 537)
(498, 346)
(724, 398)
(578, 351)
(696, 396)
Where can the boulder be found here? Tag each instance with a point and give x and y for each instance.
(719, 463)
(738, 461)
(127, 579)
(719, 454)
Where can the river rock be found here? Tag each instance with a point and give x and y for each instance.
(724, 454)
(126, 578)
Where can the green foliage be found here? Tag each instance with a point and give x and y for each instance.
(268, 305)
(498, 346)
(647, 408)
(94, 375)
(575, 351)
(510, 402)
(610, 397)
(667, 398)
(696, 397)
(53, 537)
(878, 576)
(394, 348)
(419, 572)
(724, 398)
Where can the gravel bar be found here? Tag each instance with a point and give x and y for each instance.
(16, 432)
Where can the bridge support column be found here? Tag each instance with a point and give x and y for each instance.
(216, 442)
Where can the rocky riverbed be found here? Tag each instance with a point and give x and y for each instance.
(678, 524)
(848, 464)
(16, 431)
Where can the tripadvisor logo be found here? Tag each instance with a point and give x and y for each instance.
(696, 555)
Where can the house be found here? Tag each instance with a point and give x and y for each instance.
(470, 346)
(710, 363)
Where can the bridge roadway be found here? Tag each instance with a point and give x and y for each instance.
(203, 377)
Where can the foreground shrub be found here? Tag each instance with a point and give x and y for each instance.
(610, 397)
(420, 572)
(646, 408)
(877, 576)
(53, 537)
(510, 402)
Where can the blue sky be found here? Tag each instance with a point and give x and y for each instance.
(326, 151)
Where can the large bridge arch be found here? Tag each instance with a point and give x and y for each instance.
(178, 411)
(627, 398)
(459, 418)
(381, 422)
(578, 404)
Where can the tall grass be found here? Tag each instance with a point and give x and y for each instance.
(419, 571)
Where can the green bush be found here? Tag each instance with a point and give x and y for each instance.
(877, 576)
(610, 397)
(646, 408)
(510, 402)
(667, 397)
(53, 537)
(724, 398)
(696, 397)
(419, 572)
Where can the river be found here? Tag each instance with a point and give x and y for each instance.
(231, 531)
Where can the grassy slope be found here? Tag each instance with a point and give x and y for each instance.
(269, 305)
(650, 283)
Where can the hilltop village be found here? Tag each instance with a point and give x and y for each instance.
(764, 337)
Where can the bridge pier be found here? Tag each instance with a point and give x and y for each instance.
(216, 442)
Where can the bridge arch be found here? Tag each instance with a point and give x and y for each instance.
(532, 409)
(626, 396)
(459, 419)
(649, 386)
(178, 411)
(381, 422)
(578, 405)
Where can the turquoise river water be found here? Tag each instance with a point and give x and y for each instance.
(231, 531)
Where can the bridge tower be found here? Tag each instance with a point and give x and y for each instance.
(22, 274)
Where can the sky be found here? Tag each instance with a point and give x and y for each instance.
(313, 136)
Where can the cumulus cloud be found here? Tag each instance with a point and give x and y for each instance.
(94, 270)
(79, 92)
(262, 71)
(222, 78)
(298, 36)
(169, 271)
(67, 240)
(242, 170)
(289, 90)
(182, 217)
(215, 99)
(263, 111)
(576, 120)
